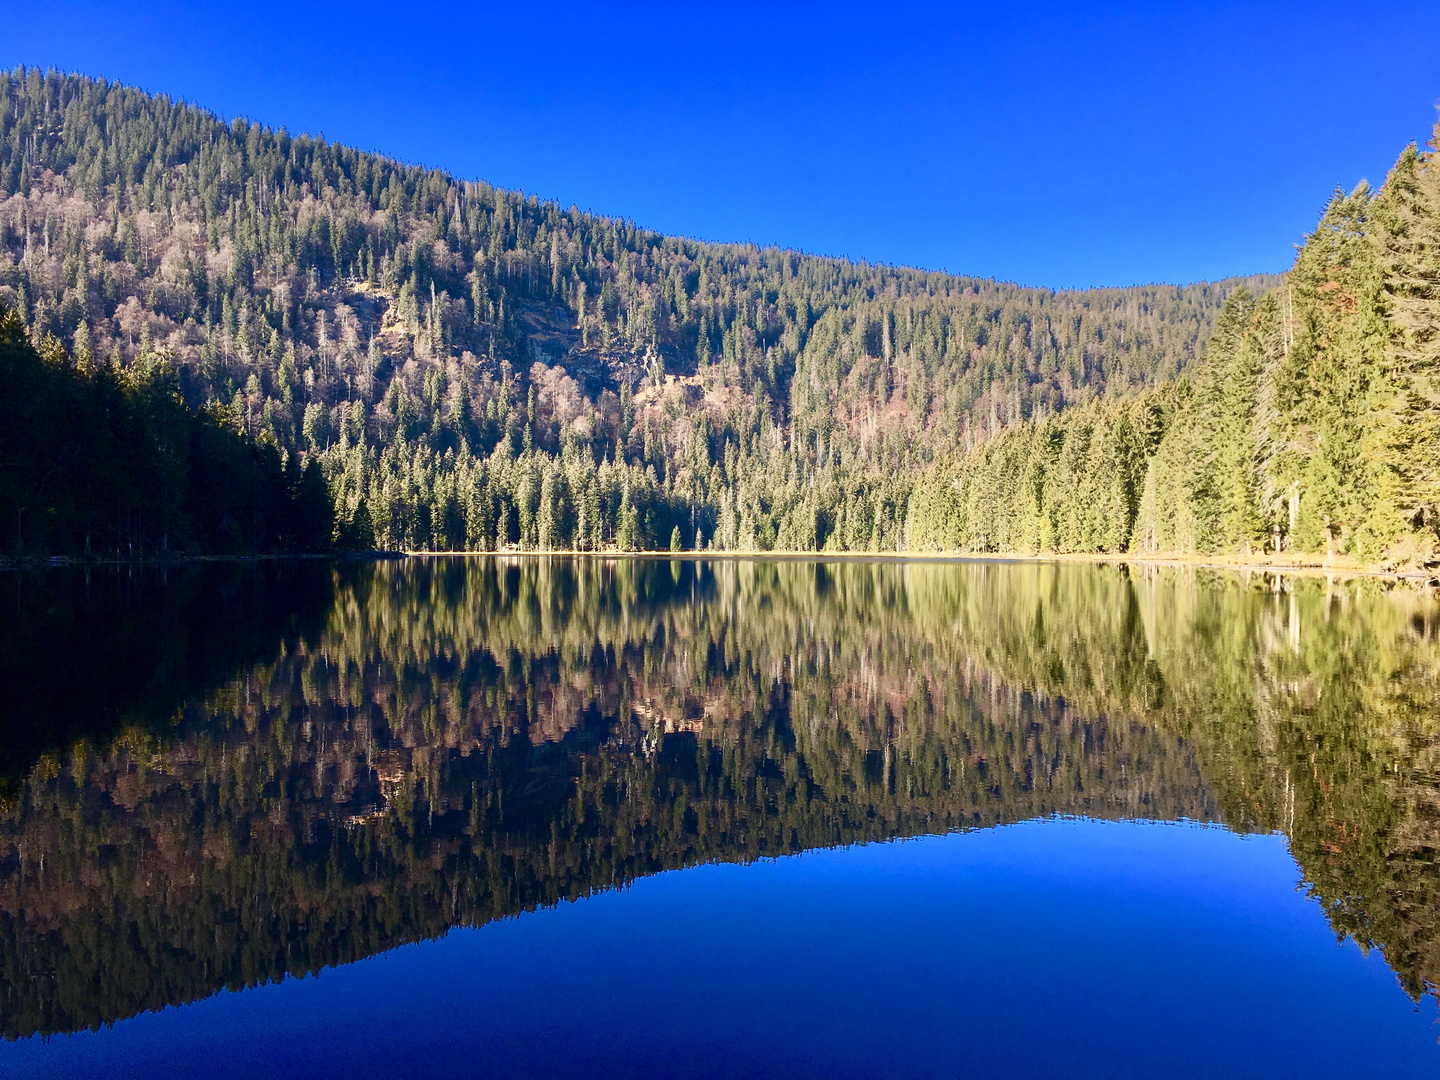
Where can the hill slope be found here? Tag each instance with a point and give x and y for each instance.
(1312, 425)
(475, 366)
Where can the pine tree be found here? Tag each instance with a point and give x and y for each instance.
(1237, 436)
(1405, 417)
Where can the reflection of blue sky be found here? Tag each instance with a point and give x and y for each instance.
(1044, 949)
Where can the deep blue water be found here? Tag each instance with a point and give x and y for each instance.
(1052, 948)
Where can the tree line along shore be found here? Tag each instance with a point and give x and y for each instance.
(223, 339)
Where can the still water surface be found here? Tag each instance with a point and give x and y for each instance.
(494, 817)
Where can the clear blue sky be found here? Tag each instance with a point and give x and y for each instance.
(1084, 144)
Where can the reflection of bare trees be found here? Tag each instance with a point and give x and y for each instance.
(466, 739)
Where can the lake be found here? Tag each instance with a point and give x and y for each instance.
(652, 817)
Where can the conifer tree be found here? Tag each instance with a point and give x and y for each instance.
(1405, 415)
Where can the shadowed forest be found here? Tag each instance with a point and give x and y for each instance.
(360, 755)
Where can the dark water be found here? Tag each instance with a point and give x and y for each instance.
(672, 818)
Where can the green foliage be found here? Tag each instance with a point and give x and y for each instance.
(1312, 423)
(486, 370)
(99, 461)
(441, 347)
(1404, 419)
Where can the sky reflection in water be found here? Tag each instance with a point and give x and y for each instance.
(1049, 948)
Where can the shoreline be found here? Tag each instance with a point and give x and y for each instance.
(1310, 564)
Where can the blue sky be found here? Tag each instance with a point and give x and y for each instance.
(1061, 145)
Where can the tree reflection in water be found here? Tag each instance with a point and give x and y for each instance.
(243, 773)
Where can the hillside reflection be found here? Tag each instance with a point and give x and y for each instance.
(258, 772)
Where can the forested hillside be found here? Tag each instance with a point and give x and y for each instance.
(473, 367)
(1313, 423)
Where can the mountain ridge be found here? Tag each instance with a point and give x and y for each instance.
(473, 368)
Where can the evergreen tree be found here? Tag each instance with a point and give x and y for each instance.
(1404, 420)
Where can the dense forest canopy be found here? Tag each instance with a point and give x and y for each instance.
(441, 742)
(473, 367)
(104, 460)
(1312, 424)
